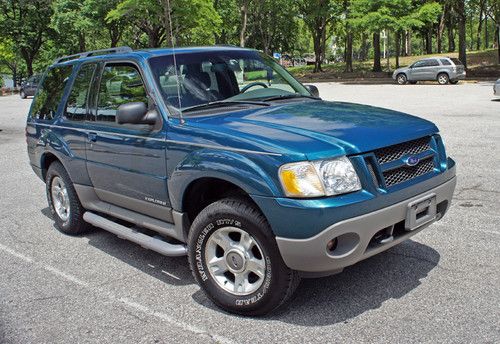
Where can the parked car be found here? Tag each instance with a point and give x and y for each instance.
(28, 87)
(260, 183)
(444, 70)
(496, 88)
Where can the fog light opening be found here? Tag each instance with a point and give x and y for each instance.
(332, 245)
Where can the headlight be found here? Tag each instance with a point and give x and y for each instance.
(319, 178)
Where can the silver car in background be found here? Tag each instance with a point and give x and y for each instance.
(444, 70)
(496, 88)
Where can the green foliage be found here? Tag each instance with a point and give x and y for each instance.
(34, 32)
(193, 21)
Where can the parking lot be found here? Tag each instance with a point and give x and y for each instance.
(441, 286)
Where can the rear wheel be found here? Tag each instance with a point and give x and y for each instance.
(453, 82)
(412, 82)
(64, 204)
(22, 94)
(401, 79)
(443, 79)
(235, 259)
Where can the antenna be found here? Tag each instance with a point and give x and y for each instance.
(181, 117)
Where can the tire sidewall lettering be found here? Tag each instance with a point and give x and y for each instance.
(200, 264)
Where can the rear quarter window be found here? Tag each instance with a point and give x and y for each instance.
(50, 93)
(457, 62)
(445, 62)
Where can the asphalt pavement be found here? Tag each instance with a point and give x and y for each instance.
(443, 285)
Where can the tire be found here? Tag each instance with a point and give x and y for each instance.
(453, 82)
(443, 78)
(22, 94)
(65, 207)
(401, 79)
(217, 235)
(412, 82)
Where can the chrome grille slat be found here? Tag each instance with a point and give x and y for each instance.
(395, 152)
(404, 173)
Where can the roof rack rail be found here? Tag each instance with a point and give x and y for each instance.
(116, 50)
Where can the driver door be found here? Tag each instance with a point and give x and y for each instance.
(126, 163)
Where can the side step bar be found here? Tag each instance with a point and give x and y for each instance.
(133, 235)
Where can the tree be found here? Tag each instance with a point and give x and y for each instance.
(244, 4)
(318, 15)
(462, 44)
(193, 21)
(70, 22)
(9, 59)
(272, 25)
(27, 24)
(96, 11)
(230, 21)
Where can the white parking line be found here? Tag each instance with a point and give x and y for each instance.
(129, 303)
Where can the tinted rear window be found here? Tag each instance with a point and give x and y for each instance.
(445, 62)
(457, 62)
(50, 93)
(76, 106)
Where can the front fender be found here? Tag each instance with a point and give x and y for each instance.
(254, 175)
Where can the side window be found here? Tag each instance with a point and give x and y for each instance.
(50, 93)
(433, 63)
(120, 84)
(76, 107)
(419, 64)
(445, 62)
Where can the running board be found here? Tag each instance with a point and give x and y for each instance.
(146, 241)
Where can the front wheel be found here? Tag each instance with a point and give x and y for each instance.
(235, 259)
(401, 79)
(22, 94)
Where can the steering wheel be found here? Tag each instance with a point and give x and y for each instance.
(253, 84)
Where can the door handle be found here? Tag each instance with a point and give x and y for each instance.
(92, 137)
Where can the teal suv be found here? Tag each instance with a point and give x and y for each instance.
(218, 153)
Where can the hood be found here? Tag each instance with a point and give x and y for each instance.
(319, 129)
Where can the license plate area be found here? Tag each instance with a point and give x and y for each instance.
(420, 212)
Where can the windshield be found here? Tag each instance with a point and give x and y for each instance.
(222, 76)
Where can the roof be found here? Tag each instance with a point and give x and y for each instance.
(144, 53)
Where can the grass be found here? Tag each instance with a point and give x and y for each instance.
(482, 63)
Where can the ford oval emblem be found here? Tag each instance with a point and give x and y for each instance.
(412, 161)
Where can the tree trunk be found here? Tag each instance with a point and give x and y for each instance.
(14, 76)
(364, 47)
(428, 41)
(497, 38)
(398, 46)
(81, 42)
(244, 21)
(348, 52)
(376, 52)
(486, 43)
(451, 39)
(317, 52)
(439, 37)
(29, 66)
(408, 43)
(462, 22)
(480, 26)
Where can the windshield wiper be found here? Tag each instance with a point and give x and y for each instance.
(288, 96)
(221, 103)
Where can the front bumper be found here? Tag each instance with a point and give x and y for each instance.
(355, 236)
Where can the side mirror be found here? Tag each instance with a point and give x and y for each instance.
(313, 90)
(136, 113)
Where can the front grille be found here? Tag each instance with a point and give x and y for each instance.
(404, 173)
(391, 153)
